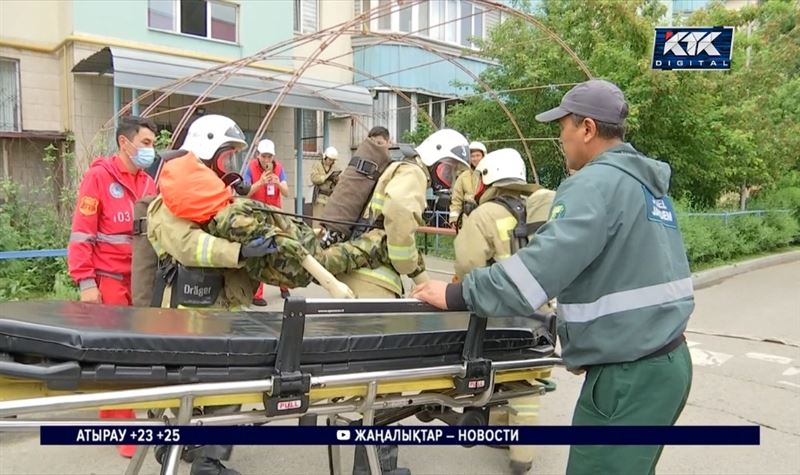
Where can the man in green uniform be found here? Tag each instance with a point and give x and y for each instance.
(613, 256)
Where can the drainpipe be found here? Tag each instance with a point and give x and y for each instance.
(326, 132)
(298, 166)
(135, 101)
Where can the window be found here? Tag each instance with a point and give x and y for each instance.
(403, 117)
(204, 18)
(223, 21)
(9, 95)
(405, 18)
(432, 106)
(423, 18)
(161, 14)
(361, 6)
(306, 17)
(452, 21)
(471, 23)
(310, 131)
(385, 19)
(436, 112)
(451, 28)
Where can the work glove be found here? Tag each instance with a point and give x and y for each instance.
(242, 188)
(258, 247)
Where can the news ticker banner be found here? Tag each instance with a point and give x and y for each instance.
(400, 435)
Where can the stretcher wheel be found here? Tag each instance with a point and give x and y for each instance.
(473, 416)
(187, 453)
(520, 468)
(425, 416)
(160, 452)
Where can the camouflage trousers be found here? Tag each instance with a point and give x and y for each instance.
(245, 220)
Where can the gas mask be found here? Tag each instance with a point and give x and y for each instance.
(444, 174)
(224, 165)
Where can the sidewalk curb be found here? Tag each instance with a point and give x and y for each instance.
(710, 277)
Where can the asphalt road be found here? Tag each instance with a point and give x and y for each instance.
(744, 341)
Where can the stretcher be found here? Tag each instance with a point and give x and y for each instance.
(384, 360)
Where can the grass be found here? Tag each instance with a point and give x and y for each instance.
(734, 260)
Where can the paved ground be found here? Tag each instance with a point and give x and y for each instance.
(738, 380)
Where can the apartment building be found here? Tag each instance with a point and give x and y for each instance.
(68, 66)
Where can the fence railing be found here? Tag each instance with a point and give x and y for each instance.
(726, 215)
(33, 254)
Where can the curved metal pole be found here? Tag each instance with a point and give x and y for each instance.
(228, 69)
(485, 86)
(339, 30)
(492, 5)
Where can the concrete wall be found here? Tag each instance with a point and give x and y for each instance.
(127, 20)
(93, 107)
(331, 12)
(45, 22)
(41, 88)
(22, 161)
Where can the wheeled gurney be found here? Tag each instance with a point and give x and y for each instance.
(383, 359)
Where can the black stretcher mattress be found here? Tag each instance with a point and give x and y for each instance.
(99, 336)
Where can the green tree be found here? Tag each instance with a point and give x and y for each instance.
(709, 126)
(759, 99)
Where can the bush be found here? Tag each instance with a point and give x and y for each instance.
(29, 225)
(782, 198)
(710, 239)
(34, 224)
(445, 249)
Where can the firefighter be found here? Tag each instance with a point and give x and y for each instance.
(506, 202)
(324, 176)
(182, 244)
(462, 200)
(397, 204)
(99, 249)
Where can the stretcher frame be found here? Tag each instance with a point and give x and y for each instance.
(429, 392)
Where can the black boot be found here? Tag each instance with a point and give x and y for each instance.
(209, 466)
(520, 468)
(207, 460)
(387, 458)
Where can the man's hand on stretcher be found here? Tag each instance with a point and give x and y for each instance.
(432, 292)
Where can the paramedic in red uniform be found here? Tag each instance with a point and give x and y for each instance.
(268, 180)
(99, 251)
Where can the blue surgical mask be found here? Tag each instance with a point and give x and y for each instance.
(144, 157)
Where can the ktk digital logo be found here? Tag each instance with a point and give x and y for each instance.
(699, 49)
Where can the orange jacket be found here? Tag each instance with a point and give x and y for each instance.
(191, 190)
